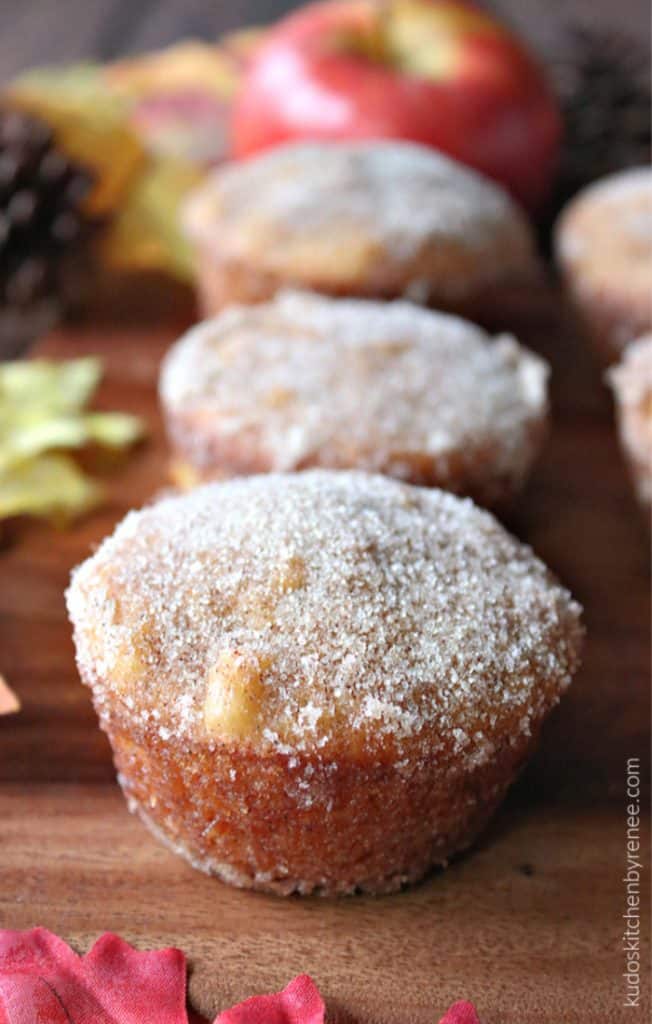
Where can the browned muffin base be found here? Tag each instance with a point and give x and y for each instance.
(223, 281)
(246, 819)
(462, 473)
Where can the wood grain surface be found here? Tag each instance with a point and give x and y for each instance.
(528, 924)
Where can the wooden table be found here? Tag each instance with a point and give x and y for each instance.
(528, 924)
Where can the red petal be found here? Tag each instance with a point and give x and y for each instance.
(461, 1013)
(41, 979)
(299, 1003)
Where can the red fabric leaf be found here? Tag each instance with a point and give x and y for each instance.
(298, 1003)
(43, 982)
(461, 1013)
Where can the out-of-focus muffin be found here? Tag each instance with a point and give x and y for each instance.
(307, 381)
(604, 250)
(381, 219)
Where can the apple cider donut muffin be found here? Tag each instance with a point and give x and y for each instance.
(306, 380)
(378, 219)
(604, 249)
(319, 681)
(631, 382)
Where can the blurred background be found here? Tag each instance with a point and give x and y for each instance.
(38, 31)
(122, 149)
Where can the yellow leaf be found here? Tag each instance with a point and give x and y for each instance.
(22, 438)
(55, 387)
(187, 65)
(25, 435)
(146, 234)
(48, 485)
(113, 429)
(41, 413)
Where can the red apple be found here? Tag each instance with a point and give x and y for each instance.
(439, 72)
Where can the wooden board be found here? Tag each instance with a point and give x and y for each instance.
(528, 925)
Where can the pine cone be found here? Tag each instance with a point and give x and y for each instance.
(45, 233)
(604, 90)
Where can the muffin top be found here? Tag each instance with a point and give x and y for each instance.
(370, 215)
(308, 380)
(322, 613)
(604, 236)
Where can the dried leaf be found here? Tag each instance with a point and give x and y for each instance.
(24, 436)
(180, 97)
(179, 103)
(40, 405)
(113, 429)
(49, 386)
(187, 66)
(42, 411)
(49, 485)
(148, 127)
(241, 46)
(145, 234)
(90, 123)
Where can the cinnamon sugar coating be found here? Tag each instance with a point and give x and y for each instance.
(306, 380)
(368, 218)
(322, 680)
(604, 248)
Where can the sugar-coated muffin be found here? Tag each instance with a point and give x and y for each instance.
(320, 681)
(604, 250)
(631, 381)
(381, 219)
(306, 380)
